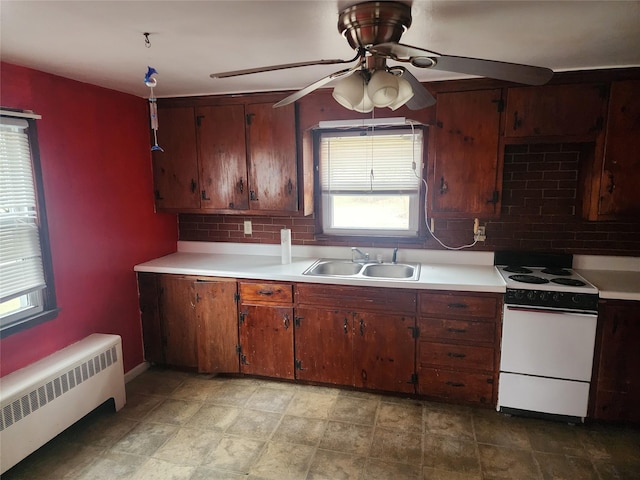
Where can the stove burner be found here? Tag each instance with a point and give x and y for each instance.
(559, 272)
(514, 269)
(529, 279)
(569, 281)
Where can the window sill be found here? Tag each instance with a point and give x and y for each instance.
(29, 322)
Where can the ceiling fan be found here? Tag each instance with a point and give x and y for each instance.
(374, 29)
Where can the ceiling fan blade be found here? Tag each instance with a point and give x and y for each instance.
(418, 57)
(315, 85)
(248, 71)
(421, 96)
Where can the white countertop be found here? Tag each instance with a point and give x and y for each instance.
(461, 277)
(615, 277)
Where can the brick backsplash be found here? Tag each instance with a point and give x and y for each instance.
(539, 213)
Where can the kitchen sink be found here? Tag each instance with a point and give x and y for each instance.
(347, 269)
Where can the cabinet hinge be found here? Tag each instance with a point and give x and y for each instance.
(296, 321)
(236, 297)
(199, 120)
(238, 349)
(494, 198)
(298, 364)
(241, 316)
(499, 105)
(415, 332)
(414, 379)
(249, 118)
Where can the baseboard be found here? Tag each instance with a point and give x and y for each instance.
(135, 371)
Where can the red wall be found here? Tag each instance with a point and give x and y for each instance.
(96, 166)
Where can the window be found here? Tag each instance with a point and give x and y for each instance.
(26, 282)
(370, 182)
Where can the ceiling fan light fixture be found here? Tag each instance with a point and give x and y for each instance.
(405, 93)
(423, 62)
(349, 91)
(365, 105)
(383, 88)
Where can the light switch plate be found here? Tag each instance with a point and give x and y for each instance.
(247, 227)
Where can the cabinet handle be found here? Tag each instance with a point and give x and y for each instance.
(612, 183)
(289, 187)
(361, 328)
(517, 122)
(285, 322)
(455, 384)
(457, 330)
(456, 355)
(458, 305)
(204, 195)
(265, 292)
(346, 326)
(252, 195)
(444, 186)
(241, 186)
(193, 186)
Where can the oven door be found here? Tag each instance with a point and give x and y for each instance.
(548, 343)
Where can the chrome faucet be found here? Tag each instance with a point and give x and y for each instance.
(363, 257)
(394, 257)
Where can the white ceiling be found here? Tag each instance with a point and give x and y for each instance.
(102, 42)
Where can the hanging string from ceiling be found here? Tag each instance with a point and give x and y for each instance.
(150, 81)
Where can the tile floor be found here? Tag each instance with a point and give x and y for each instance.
(183, 426)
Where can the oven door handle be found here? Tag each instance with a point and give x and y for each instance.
(557, 311)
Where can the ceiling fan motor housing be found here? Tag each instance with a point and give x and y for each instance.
(371, 23)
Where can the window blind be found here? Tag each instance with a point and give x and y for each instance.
(21, 269)
(378, 162)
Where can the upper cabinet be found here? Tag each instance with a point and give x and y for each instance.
(228, 155)
(465, 163)
(612, 179)
(576, 110)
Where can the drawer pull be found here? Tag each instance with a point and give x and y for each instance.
(457, 330)
(455, 384)
(265, 292)
(346, 326)
(457, 305)
(456, 355)
(285, 321)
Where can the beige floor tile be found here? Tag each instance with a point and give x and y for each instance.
(429, 473)
(447, 452)
(354, 410)
(496, 429)
(381, 470)
(254, 424)
(397, 445)
(454, 423)
(283, 461)
(234, 454)
(113, 466)
(508, 463)
(100, 429)
(189, 446)
(270, 399)
(617, 470)
(173, 412)
(213, 417)
(234, 393)
(551, 437)
(155, 469)
(311, 404)
(347, 438)
(157, 382)
(407, 417)
(329, 465)
(554, 466)
(145, 439)
(139, 405)
(195, 389)
(203, 473)
(305, 431)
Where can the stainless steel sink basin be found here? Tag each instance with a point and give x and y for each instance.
(390, 270)
(327, 267)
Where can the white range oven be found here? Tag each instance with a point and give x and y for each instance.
(548, 336)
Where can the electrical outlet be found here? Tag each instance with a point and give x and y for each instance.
(247, 227)
(480, 235)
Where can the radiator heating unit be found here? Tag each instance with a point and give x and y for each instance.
(41, 400)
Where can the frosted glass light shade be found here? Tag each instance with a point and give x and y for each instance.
(383, 88)
(365, 105)
(349, 91)
(405, 93)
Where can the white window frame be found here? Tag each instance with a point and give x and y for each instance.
(327, 193)
(27, 295)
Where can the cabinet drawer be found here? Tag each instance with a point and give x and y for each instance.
(380, 300)
(463, 330)
(459, 305)
(266, 292)
(460, 386)
(456, 356)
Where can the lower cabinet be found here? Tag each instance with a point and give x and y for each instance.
(458, 348)
(368, 342)
(617, 362)
(266, 329)
(189, 322)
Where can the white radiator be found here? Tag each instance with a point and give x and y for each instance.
(43, 399)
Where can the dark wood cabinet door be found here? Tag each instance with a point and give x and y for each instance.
(271, 140)
(324, 345)
(223, 157)
(217, 324)
(384, 352)
(148, 293)
(555, 110)
(464, 154)
(619, 192)
(175, 171)
(618, 382)
(266, 340)
(177, 304)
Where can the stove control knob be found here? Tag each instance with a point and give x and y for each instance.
(556, 297)
(577, 299)
(544, 296)
(519, 294)
(531, 295)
